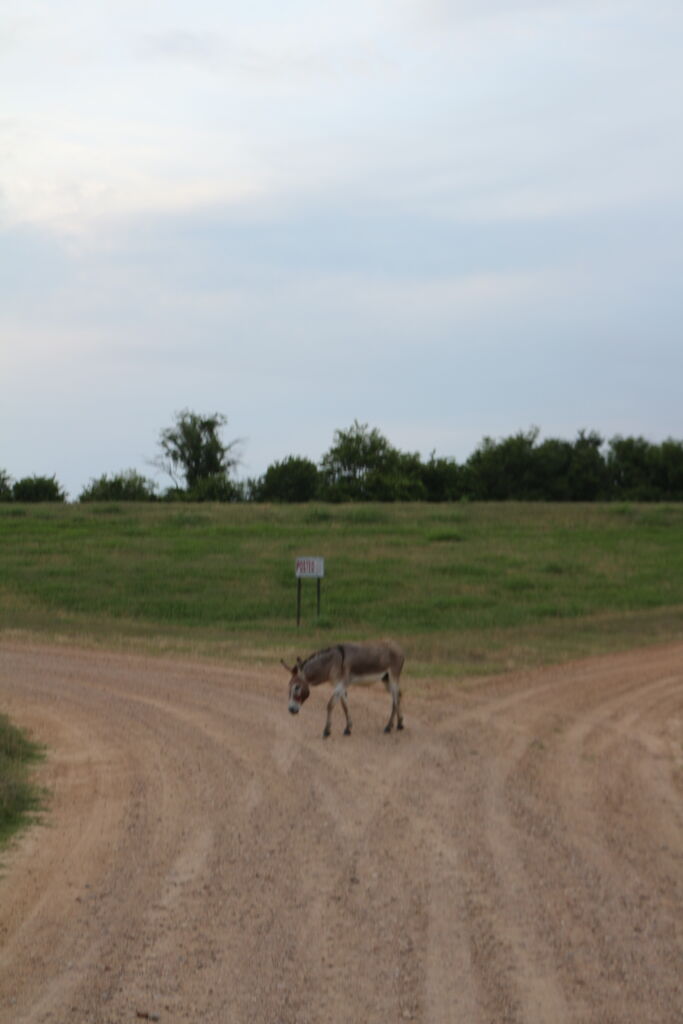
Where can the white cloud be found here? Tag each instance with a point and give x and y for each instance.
(564, 106)
(478, 202)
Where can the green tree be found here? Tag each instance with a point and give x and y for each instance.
(505, 469)
(670, 469)
(588, 474)
(293, 479)
(192, 451)
(5, 486)
(362, 465)
(442, 479)
(633, 468)
(554, 459)
(518, 468)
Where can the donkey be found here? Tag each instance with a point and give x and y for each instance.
(345, 664)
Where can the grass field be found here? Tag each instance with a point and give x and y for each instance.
(467, 588)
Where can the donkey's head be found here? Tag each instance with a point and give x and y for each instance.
(298, 687)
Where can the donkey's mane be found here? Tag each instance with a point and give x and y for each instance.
(319, 654)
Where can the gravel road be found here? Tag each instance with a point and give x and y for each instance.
(515, 855)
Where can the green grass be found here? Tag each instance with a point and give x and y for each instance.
(20, 799)
(467, 588)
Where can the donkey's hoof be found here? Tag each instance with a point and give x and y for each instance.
(387, 728)
(326, 733)
(400, 724)
(347, 730)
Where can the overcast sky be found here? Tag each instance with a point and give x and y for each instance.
(443, 218)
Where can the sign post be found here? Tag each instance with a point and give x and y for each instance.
(307, 569)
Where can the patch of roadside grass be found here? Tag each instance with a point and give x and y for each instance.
(20, 798)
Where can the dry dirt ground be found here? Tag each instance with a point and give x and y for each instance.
(516, 854)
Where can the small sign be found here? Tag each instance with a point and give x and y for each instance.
(309, 568)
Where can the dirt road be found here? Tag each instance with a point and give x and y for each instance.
(516, 854)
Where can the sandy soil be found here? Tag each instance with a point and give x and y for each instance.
(516, 854)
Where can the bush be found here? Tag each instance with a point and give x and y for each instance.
(218, 487)
(126, 486)
(38, 488)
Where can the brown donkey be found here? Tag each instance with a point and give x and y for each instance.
(345, 664)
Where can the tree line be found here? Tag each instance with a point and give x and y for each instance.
(362, 465)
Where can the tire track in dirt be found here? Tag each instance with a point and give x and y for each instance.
(515, 855)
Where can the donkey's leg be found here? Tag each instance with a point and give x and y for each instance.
(328, 721)
(345, 708)
(392, 687)
(386, 679)
(336, 695)
(399, 724)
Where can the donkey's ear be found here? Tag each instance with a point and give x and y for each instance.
(292, 671)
